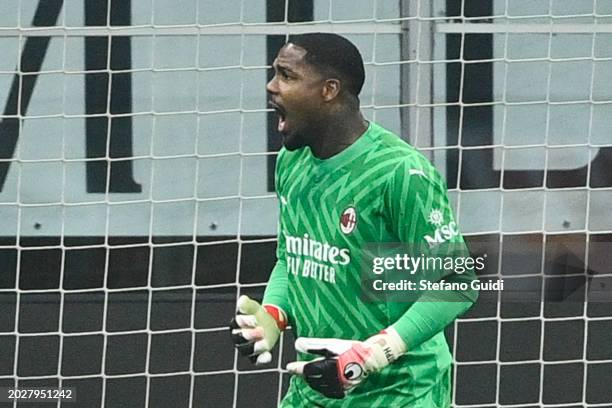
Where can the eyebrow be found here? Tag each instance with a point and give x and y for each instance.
(278, 66)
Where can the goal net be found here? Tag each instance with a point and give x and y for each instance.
(137, 199)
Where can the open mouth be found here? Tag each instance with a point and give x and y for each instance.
(280, 111)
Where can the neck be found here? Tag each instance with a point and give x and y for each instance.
(336, 133)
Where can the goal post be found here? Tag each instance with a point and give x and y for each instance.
(136, 200)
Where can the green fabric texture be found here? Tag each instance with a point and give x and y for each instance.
(378, 190)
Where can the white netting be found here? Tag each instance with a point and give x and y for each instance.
(136, 196)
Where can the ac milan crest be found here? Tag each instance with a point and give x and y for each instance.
(348, 220)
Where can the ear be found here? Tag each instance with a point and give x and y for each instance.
(331, 89)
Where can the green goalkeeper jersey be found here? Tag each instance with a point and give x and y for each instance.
(377, 190)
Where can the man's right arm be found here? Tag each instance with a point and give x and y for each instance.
(276, 292)
(256, 327)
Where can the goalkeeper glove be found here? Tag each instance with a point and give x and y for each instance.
(345, 363)
(255, 329)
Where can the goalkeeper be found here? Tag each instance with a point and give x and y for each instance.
(343, 182)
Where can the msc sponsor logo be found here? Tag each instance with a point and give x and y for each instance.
(444, 232)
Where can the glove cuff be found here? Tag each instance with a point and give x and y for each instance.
(390, 342)
(399, 345)
(278, 315)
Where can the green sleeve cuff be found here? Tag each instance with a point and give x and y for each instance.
(425, 319)
(276, 290)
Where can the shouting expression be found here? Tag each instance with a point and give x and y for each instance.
(297, 92)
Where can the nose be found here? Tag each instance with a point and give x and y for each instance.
(271, 86)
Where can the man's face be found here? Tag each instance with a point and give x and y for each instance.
(295, 93)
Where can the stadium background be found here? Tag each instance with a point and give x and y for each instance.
(126, 294)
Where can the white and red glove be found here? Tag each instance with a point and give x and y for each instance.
(345, 363)
(255, 329)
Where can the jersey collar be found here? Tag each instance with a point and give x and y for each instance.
(344, 157)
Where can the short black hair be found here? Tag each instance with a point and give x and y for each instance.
(332, 53)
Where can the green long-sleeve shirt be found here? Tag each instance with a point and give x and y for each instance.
(378, 190)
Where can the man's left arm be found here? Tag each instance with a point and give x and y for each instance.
(422, 217)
